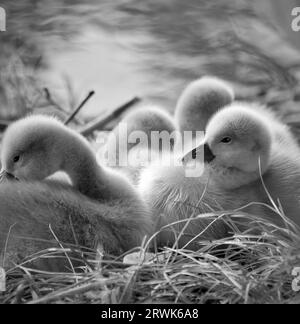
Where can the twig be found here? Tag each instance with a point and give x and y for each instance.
(6, 243)
(76, 111)
(61, 246)
(74, 291)
(102, 121)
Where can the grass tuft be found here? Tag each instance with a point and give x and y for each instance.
(243, 269)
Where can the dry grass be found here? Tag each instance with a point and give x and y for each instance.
(243, 269)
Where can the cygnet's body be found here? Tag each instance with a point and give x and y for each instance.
(240, 144)
(176, 201)
(37, 147)
(283, 133)
(34, 215)
(199, 101)
(139, 138)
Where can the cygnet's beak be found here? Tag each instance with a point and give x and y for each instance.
(208, 154)
(201, 151)
(4, 175)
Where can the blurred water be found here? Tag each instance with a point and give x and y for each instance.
(147, 49)
(152, 48)
(95, 60)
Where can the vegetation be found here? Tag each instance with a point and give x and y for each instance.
(244, 269)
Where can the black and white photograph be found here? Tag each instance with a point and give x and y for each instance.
(149, 154)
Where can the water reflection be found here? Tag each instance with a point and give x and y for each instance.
(98, 61)
(152, 48)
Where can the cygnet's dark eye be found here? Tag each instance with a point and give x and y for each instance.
(16, 159)
(226, 140)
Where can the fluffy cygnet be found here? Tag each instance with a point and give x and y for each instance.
(36, 147)
(240, 146)
(200, 100)
(34, 216)
(139, 138)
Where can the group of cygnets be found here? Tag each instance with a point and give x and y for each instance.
(250, 160)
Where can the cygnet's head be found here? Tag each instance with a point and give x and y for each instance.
(32, 147)
(150, 118)
(237, 146)
(200, 100)
(143, 128)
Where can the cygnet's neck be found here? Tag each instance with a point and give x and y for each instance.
(234, 178)
(80, 163)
